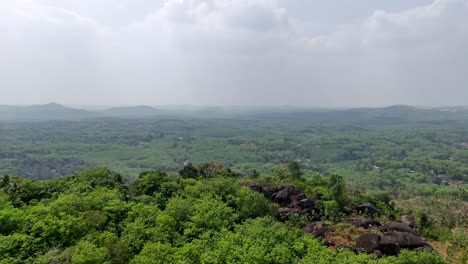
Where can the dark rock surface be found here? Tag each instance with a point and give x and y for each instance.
(306, 204)
(395, 226)
(282, 197)
(391, 249)
(369, 209)
(367, 242)
(362, 222)
(403, 239)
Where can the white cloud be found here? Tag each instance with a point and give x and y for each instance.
(234, 52)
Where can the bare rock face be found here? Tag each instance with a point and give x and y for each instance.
(369, 209)
(362, 222)
(403, 239)
(306, 204)
(408, 220)
(390, 243)
(368, 242)
(392, 249)
(395, 226)
(289, 197)
(291, 190)
(282, 197)
(301, 196)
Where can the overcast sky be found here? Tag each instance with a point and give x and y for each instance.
(321, 53)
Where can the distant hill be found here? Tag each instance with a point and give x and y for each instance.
(131, 111)
(386, 115)
(45, 112)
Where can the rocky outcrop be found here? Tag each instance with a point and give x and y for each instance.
(368, 242)
(282, 197)
(306, 204)
(390, 243)
(290, 197)
(392, 249)
(403, 239)
(362, 222)
(368, 209)
(396, 226)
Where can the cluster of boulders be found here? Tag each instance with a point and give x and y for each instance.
(387, 239)
(290, 198)
(391, 238)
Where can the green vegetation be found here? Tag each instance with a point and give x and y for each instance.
(93, 217)
(401, 159)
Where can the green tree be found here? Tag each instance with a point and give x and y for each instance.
(88, 253)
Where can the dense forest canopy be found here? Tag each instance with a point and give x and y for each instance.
(203, 214)
(187, 188)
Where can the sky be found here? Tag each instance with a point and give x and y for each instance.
(321, 53)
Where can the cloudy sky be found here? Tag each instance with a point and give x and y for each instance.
(234, 52)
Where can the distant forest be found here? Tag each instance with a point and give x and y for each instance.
(403, 160)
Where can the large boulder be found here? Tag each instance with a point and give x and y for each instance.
(282, 197)
(403, 239)
(369, 209)
(408, 220)
(362, 222)
(301, 196)
(306, 204)
(395, 226)
(283, 194)
(367, 242)
(390, 249)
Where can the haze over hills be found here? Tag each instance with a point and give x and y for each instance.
(131, 111)
(55, 111)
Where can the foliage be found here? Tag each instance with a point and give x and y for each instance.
(92, 217)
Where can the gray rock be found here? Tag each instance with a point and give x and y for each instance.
(403, 239)
(391, 249)
(395, 226)
(366, 223)
(282, 197)
(306, 204)
(368, 242)
(369, 209)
